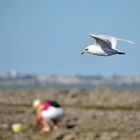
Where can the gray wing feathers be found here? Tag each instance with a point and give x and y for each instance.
(104, 41)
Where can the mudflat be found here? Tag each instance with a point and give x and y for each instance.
(102, 114)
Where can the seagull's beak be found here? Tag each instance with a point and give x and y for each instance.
(82, 53)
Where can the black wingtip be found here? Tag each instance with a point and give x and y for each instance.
(121, 53)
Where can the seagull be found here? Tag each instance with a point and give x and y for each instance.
(105, 45)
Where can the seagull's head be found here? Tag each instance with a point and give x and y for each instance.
(88, 49)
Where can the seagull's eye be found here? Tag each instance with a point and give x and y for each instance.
(86, 49)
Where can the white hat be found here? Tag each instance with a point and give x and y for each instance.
(36, 103)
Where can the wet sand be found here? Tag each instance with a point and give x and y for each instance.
(102, 114)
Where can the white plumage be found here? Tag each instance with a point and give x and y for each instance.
(105, 45)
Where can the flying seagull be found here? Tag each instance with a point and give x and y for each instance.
(105, 45)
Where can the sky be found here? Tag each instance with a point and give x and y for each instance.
(47, 36)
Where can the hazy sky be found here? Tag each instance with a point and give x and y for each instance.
(47, 36)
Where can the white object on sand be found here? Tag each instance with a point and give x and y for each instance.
(17, 127)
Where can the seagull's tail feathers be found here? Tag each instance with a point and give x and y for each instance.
(129, 41)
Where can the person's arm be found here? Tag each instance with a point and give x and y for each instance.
(37, 122)
(38, 114)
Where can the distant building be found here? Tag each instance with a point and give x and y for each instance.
(12, 73)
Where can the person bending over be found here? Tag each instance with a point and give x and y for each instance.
(49, 111)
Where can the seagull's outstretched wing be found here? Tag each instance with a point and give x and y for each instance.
(102, 40)
(110, 41)
(114, 40)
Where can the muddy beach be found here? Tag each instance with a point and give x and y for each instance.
(102, 114)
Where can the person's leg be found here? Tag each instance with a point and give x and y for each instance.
(56, 115)
(55, 124)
